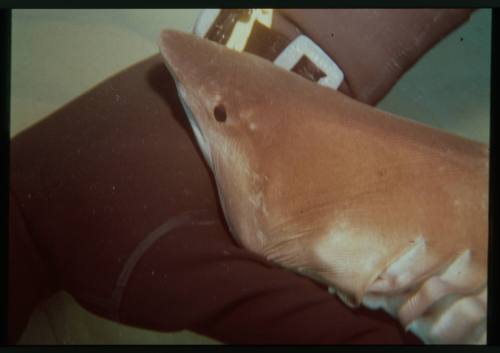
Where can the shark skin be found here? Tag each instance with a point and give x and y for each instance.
(390, 213)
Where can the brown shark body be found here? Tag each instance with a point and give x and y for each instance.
(389, 212)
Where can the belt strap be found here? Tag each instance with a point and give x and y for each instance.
(250, 30)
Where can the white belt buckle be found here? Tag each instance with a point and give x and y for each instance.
(303, 46)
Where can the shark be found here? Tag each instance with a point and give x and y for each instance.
(389, 213)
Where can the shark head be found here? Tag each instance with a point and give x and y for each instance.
(229, 109)
(317, 182)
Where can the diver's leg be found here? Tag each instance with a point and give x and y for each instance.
(119, 201)
(30, 279)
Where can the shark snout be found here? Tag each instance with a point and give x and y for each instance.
(169, 44)
(184, 54)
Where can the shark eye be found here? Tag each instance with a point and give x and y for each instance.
(220, 113)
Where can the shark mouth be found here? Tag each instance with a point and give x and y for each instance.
(198, 132)
(187, 101)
